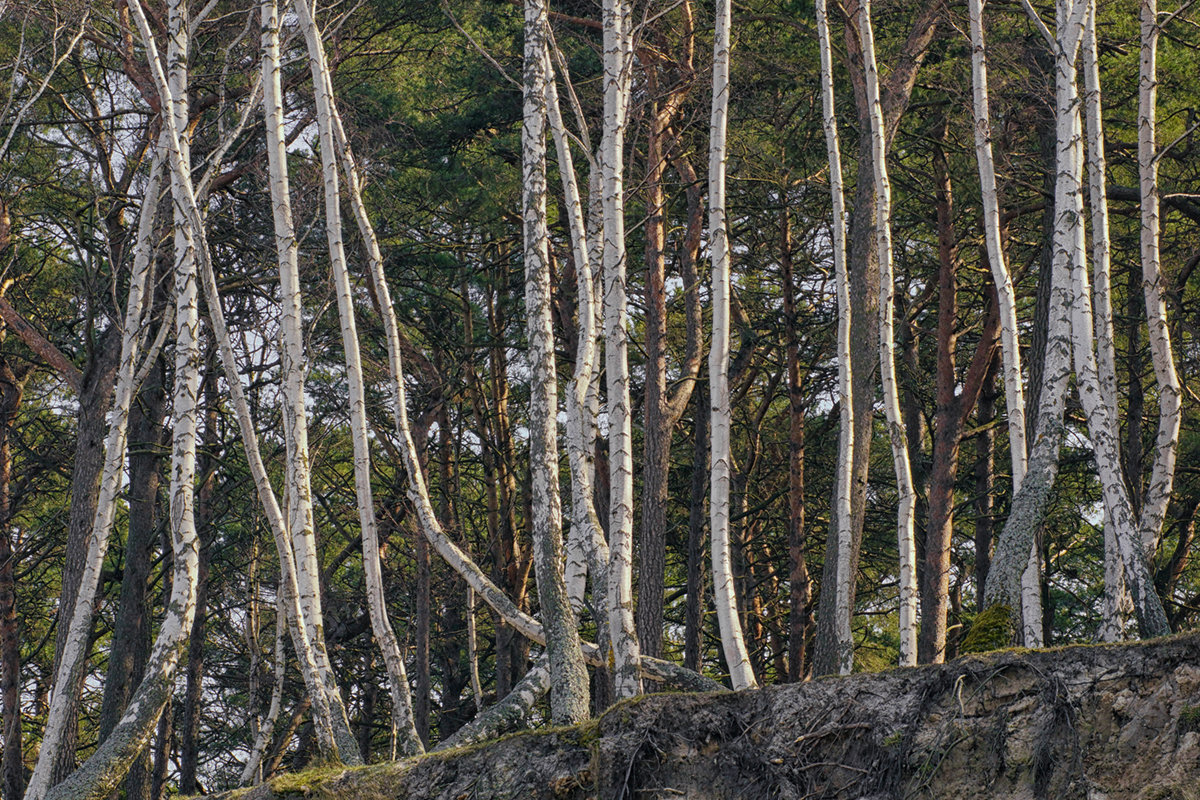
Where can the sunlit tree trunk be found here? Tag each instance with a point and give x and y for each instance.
(883, 232)
(617, 66)
(72, 659)
(732, 642)
(843, 638)
(107, 766)
(1014, 393)
(569, 695)
(1158, 493)
(1004, 585)
(1116, 599)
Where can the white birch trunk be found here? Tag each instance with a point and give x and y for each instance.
(409, 742)
(617, 57)
(1102, 423)
(1016, 543)
(733, 644)
(1116, 599)
(473, 652)
(72, 662)
(1014, 393)
(418, 492)
(106, 767)
(585, 524)
(842, 508)
(266, 494)
(1158, 493)
(569, 695)
(906, 496)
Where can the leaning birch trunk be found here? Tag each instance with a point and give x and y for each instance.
(1010, 346)
(1158, 493)
(508, 713)
(107, 766)
(1102, 425)
(733, 644)
(418, 492)
(1011, 559)
(409, 741)
(266, 494)
(72, 662)
(252, 772)
(627, 679)
(887, 355)
(585, 524)
(568, 675)
(1116, 599)
(842, 506)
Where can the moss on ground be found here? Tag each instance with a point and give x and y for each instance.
(993, 629)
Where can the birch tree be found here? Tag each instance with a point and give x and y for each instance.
(1072, 327)
(905, 513)
(1014, 392)
(568, 675)
(1116, 599)
(1158, 493)
(733, 643)
(844, 640)
(617, 65)
(409, 742)
(71, 663)
(106, 767)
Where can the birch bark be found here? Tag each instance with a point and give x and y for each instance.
(887, 358)
(844, 641)
(1158, 493)
(1014, 393)
(585, 536)
(408, 740)
(627, 679)
(568, 675)
(418, 492)
(733, 644)
(1116, 599)
(106, 767)
(1028, 506)
(74, 655)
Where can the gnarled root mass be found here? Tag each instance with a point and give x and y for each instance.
(1079, 722)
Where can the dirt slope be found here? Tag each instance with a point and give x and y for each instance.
(1095, 723)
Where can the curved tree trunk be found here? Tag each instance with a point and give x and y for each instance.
(732, 642)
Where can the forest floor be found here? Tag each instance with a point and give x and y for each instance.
(1100, 722)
